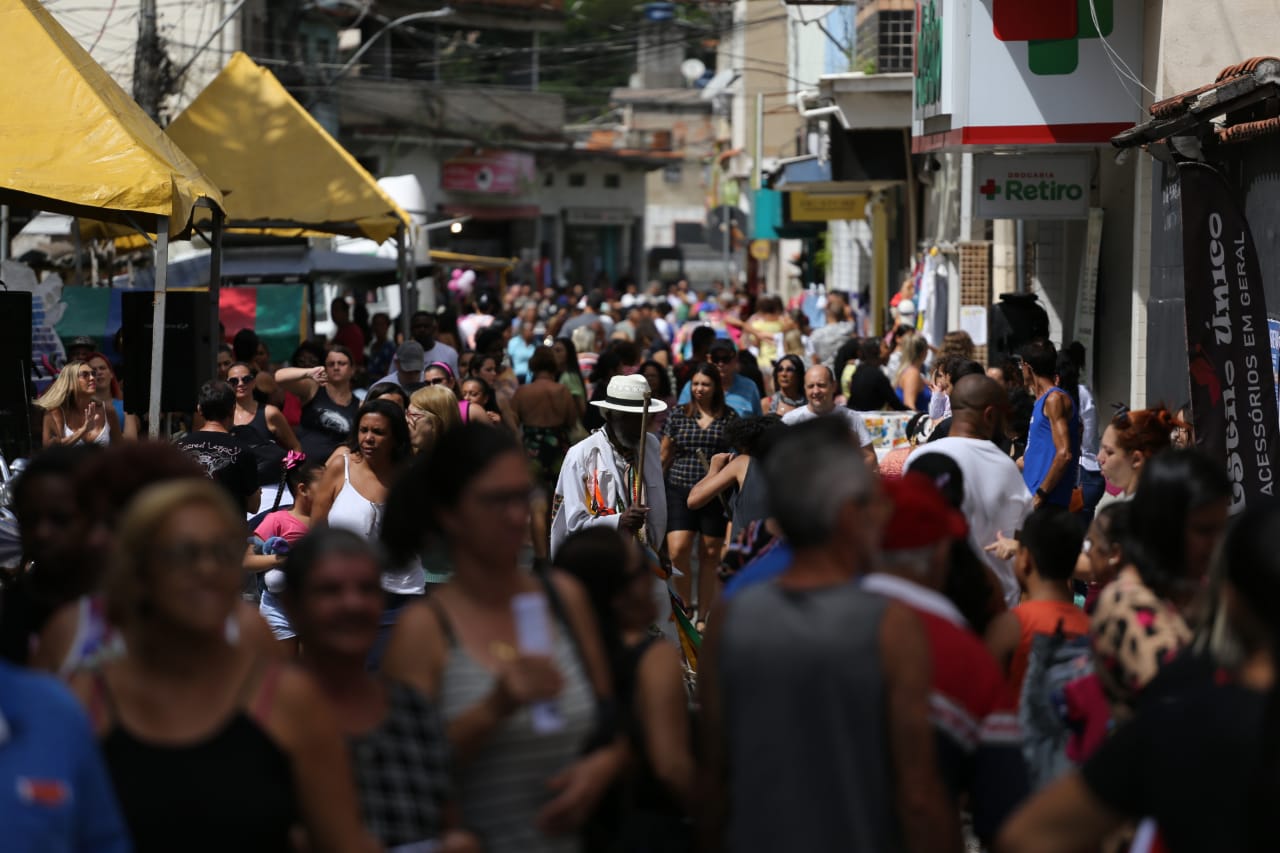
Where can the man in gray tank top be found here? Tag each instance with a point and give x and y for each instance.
(815, 693)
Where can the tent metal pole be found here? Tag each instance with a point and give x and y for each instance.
(215, 286)
(402, 259)
(157, 326)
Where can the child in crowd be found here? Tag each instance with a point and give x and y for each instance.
(302, 476)
(1048, 546)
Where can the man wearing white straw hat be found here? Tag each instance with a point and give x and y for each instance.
(599, 483)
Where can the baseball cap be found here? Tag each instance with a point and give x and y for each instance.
(921, 515)
(82, 341)
(411, 357)
(906, 308)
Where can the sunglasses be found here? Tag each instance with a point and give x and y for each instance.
(85, 374)
(239, 380)
(724, 359)
(437, 380)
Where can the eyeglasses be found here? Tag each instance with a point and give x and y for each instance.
(187, 554)
(786, 369)
(413, 415)
(239, 380)
(85, 374)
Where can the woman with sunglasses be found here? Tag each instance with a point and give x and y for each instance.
(329, 404)
(439, 373)
(72, 413)
(788, 379)
(211, 745)
(262, 427)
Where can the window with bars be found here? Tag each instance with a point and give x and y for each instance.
(896, 33)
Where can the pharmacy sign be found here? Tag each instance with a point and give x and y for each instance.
(1000, 73)
(1018, 186)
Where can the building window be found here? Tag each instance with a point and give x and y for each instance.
(577, 179)
(897, 29)
(549, 179)
(673, 174)
(612, 182)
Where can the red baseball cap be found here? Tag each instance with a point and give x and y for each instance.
(921, 515)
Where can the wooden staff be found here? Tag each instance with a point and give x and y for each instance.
(644, 441)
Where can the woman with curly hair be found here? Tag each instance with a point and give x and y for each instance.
(1127, 443)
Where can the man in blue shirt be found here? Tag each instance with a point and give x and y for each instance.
(55, 794)
(521, 348)
(740, 393)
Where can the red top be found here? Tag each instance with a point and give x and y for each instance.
(1042, 617)
(350, 336)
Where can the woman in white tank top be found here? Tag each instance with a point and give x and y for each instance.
(353, 489)
(71, 414)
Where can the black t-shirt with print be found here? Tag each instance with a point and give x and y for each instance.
(226, 460)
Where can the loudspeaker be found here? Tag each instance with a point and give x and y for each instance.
(15, 374)
(187, 350)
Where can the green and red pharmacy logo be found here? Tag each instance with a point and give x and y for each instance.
(1052, 29)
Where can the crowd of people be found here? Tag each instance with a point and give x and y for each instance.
(629, 572)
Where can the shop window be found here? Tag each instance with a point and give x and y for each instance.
(577, 179)
(612, 182)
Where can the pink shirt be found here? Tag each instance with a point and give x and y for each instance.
(281, 523)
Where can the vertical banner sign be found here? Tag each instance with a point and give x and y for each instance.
(1233, 396)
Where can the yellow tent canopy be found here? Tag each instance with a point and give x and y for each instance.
(72, 141)
(280, 170)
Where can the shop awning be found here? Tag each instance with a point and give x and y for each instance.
(278, 167)
(72, 141)
(480, 262)
(1196, 113)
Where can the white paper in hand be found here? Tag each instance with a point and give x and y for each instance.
(534, 637)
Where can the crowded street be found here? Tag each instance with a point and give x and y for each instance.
(414, 439)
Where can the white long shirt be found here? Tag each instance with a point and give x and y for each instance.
(593, 489)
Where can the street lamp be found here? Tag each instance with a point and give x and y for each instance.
(443, 12)
(455, 227)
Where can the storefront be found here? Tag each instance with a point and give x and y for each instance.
(1014, 107)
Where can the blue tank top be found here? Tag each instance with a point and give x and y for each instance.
(1040, 452)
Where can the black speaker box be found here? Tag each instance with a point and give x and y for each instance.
(15, 374)
(187, 350)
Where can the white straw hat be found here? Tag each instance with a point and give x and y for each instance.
(626, 394)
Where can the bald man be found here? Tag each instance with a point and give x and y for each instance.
(820, 392)
(996, 500)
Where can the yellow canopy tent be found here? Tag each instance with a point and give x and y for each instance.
(72, 141)
(278, 167)
(282, 173)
